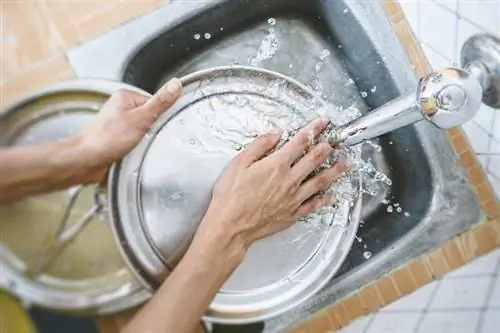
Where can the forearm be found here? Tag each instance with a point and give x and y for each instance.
(46, 167)
(187, 293)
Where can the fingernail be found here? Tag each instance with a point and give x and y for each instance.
(324, 120)
(174, 85)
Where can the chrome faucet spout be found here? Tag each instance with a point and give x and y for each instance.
(447, 98)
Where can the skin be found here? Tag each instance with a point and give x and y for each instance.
(261, 192)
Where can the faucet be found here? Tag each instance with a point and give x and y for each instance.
(447, 97)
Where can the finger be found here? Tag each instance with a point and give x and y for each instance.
(296, 147)
(311, 205)
(261, 146)
(163, 99)
(139, 99)
(313, 159)
(321, 181)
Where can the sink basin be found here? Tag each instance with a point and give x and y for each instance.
(349, 54)
(297, 38)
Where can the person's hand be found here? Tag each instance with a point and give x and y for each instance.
(121, 124)
(260, 194)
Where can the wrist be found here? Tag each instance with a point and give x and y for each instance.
(218, 244)
(75, 159)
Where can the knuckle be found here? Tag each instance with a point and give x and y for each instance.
(323, 180)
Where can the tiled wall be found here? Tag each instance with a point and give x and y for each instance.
(442, 26)
(464, 301)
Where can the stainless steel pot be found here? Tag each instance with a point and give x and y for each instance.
(160, 191)
(57, 250)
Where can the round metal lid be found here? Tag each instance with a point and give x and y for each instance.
(87, 274)
(160, 191)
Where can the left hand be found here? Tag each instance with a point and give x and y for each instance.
(122, 122)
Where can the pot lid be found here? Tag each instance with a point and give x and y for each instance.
(88, 273)
(161, 190)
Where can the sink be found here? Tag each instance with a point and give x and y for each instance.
(348, 53)
(296, 38)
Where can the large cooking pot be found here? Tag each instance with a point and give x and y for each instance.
(158, 193)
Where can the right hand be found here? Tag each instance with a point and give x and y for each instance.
(259, 195)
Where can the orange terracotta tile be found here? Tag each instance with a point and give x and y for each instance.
(353, 307)
(486, 238)
(338, 316)
(403, 280)
(393, 10)
(51, 71)
(476, 175)
(492, 209)
(419, 272)
(28, 37)
(413, 50)
(468, 245)
(369, 298)
(320, 323)
(437, 263)
(452, 254)
(113, 17)
(459, 143)
(387, 290)
(453, 132)
(485, 192)
(468, 159)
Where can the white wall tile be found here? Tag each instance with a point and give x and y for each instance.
(417, 300)
(437, 60)
(494, 177)
(411, 11)
(495, 295)
(450, 4)
(437, 26)
(466, 293)
(478, 136)
(393, 322)
(482, 12)
(491, 322)
(485, 265)
(450, 322)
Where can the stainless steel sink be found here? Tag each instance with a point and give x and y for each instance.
(346, 51)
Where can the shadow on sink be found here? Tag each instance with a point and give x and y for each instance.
(299, 39)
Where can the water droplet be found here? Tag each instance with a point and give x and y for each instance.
(390, 142)
(399, 209)
(367, 255)
(389, 209)
(221, 29)
(135, 173)
(339, 46)
(290, 66)
(192, 142)
(346, 10)
(207, 35)
(271, 21)
(373, 89)
(406, 214)
(197, 36)
(364, 246)
(364, 94)
(396, 204)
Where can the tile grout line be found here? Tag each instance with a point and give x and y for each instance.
(426, 307)
(457, 21)
(464, 18)
(492, 285)
(370, 321)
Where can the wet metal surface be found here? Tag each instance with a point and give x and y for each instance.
(364, 66)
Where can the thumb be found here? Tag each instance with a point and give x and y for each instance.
(164, 98)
